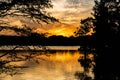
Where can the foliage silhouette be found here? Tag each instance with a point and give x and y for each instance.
(33, 9)
(107, 26)
(87, 32)
(107, 22)
(86, 27)
(9, 61)
(88, 64)
(82, 76)
(28, 9)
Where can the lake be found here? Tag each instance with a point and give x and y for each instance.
(60, 63)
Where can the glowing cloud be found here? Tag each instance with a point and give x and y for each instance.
(69, 13)
(62, 29)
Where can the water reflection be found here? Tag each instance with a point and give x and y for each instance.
(51, 65)
(12, 62)
(87, 61)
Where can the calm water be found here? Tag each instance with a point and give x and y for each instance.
(51, 65)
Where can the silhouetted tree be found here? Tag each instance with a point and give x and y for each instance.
(9, 61)
(106, 13)
(86, 27)
(88, 64)
(33, 9)
(107, 22)
(30, 9)
(82, 76)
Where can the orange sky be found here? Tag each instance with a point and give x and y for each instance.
(69, 13)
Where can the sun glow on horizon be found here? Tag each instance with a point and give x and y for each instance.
(63, 30)
(69, 13)
(59, 32)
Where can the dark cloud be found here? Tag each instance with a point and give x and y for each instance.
(73, 1)
(78, 3)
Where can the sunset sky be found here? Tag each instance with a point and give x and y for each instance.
(69, 13)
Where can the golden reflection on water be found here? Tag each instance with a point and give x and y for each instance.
(54, 65)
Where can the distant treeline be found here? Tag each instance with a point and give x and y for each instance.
(52, 40)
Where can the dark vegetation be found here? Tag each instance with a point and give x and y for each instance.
(106, 24)
(106, 19)
(107, 16)
(9, 61)
(88, 64)
(42, 40)
(32, 10)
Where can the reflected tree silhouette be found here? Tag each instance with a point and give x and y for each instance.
(107, 26)
(9, 61)
(88, 64)
(82, 76)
